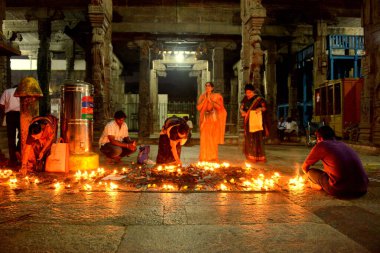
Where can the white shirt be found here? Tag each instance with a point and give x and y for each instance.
(281, 125)
(112, 128)
(291, 126)
(10, 102)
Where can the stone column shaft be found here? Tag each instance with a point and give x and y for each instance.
(44, 63)
(70, 60)
(218, 69)
(145, 110)
(320, 58)
(271, 87)
(253, 21)
(370, 99)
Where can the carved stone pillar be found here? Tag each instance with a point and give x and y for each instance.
(4, 60)
(98, 64)
(253, 21)
(218, 69)
(97, 76)
(44, 17)
(292, 82)
(145, 107)
(44, 63)
(108, 86)
(320, 58)
(244, 55)
(271, 86)
(370, 99)
(117, 93)
(201, 70)
(70, 60)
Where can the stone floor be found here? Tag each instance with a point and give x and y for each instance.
(47, 220)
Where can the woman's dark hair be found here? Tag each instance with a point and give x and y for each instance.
(326, 132)
(35, 128)
(120, 115)
(183, 128)
(249, 87)
(211, 84)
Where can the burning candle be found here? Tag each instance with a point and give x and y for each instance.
(223, 187)
(113, 186)
(57, 185)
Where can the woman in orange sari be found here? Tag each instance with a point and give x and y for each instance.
(212, 122)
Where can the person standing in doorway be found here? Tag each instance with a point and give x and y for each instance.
(10, 108)
(212, 122)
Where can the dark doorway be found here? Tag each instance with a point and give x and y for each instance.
(179, 86)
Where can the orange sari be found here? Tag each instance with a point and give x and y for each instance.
(212, 124)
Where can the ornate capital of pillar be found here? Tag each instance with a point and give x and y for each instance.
(230, 45)
(98, 16)
(161, 73)
(195, 73)
(256, 14)
(159, 66)
(200, 65)
(98, 35)
(144, 46)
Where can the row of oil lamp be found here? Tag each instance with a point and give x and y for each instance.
(260, 183)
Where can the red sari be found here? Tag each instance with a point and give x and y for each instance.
(254, 142)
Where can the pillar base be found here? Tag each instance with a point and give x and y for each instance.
(86, 161)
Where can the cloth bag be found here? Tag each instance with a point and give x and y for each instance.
(58, 160)
(143, 155)
(255, 121)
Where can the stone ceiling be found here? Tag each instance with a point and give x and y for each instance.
(180, 23)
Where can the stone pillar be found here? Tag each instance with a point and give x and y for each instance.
(117, 93)
(271, 87)
(4, 80)
(44, 63)
(233, 116)
(320, 61)
(218, 69)
(244, 56)
(70, 60)
(159, 69)
(253, 21)
(292, 83)
(98, 63)
(201, 70)
(97, 77)
(370, 98)
(145, 106)
(108, 86)
(44, 17)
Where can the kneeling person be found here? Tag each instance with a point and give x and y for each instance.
(41, 135)
(343, 174)
(115, 142)
(172, 136)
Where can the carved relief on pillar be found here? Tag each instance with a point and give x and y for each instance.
(253, 22)
(256, 61)
(97, 53)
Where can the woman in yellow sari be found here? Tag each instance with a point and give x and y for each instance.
(212, 122)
